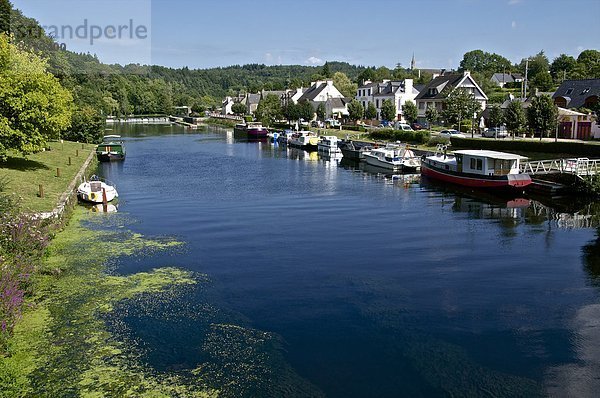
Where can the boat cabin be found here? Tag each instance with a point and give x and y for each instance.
(488, 163)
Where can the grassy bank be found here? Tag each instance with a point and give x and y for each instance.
(24, 175)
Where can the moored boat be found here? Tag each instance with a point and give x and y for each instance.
(96, 191)
(111, 148)
(284, 137)
(304, 140)
(476, 168)
(355, 150)
(393, 157)
(328, 143)
(250, 130)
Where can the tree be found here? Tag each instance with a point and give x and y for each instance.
(514, 117)
(542, 115)
(537, 64)
(371, 111)
(496, 118)
(356, 110)
(410, 112)
(269, 109)
(87, 125)
(344, 84)
(291, 111)
(238, 108)
(562, 67)
(326, 71)
(382, 73)
(588, 64)
(321, 111)
(432, 115)
(34, 107)
(5, 11)
(484, 62)
(542, 81)
(460, 105)
(306, 110)
(367, 74)
(388, 110)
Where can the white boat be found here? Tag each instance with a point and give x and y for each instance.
(304, 140)
(94, 191)
(393, 157)
(328, 143)
(284, 137)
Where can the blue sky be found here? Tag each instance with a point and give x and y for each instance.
(201, 34)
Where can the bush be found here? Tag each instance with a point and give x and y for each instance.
(434, 141)
(413, 137)
(354, 128)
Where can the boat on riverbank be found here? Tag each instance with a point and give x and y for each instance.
(251, 130)
(111, 148)
(476, 168)
(96, 191)
(355, 150)
(393, 157)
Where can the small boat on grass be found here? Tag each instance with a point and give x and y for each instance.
(396, 157)
(476, 168)
(96, 191)
(111, 148)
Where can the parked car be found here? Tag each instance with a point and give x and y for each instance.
(495, 132)
(451, 133)
(332, 123)
(317, 123)
(302, 123)
(416, 126)
(402, 126)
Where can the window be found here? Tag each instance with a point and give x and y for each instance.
(479, 164)
(421, 105)
(587, 90)
(569, 91)
(472, 164)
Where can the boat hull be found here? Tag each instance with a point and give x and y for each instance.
(505, 182)
(251, 132)
(110, 157)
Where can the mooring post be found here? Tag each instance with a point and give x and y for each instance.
(58, 171)
(104, 201)
(76, 152)
(69, 160)
(41, 192)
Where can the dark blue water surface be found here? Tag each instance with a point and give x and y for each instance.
(324, 279)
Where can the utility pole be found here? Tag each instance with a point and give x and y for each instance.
(525, 86)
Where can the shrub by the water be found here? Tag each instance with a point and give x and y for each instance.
(413, 137)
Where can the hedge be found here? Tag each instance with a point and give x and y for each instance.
(576, 148)
(413, 137)
(352, 127)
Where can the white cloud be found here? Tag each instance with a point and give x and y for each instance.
(514, 24)
(314, 61)
(513, 2)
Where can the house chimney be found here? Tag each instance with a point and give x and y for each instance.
(408, 86)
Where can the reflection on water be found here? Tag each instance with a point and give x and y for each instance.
(330, 277)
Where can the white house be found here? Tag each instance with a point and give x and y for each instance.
(325, 92)
(436, 91)
(226, 106)
(399, 92)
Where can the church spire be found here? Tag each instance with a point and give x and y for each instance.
(412, 62)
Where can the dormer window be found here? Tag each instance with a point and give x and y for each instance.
(433, 91)
(569, 91)
(586, 90)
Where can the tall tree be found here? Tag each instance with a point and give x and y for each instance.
(460, 105)
(5, 11)
(355, 110)
(388, 110)
(371, 111)
(306, 110)
(238, 108)
(543, 82)
(344, 84)
(542, 115)
(367, 75)
(269, 109)
(484, 62)
(562, 67)
(432, 115)
(537, 64)
(588, 64)
(321, 111)
(514, 117)
(496, 118)
(326, 71)
(34, 107)
(410, 112)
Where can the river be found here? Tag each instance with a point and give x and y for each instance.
(322, 279)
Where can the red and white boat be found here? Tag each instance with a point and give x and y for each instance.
(476, 168)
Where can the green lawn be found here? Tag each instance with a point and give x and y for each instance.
(25, 174)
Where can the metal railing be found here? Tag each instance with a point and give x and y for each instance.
(579, 166)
